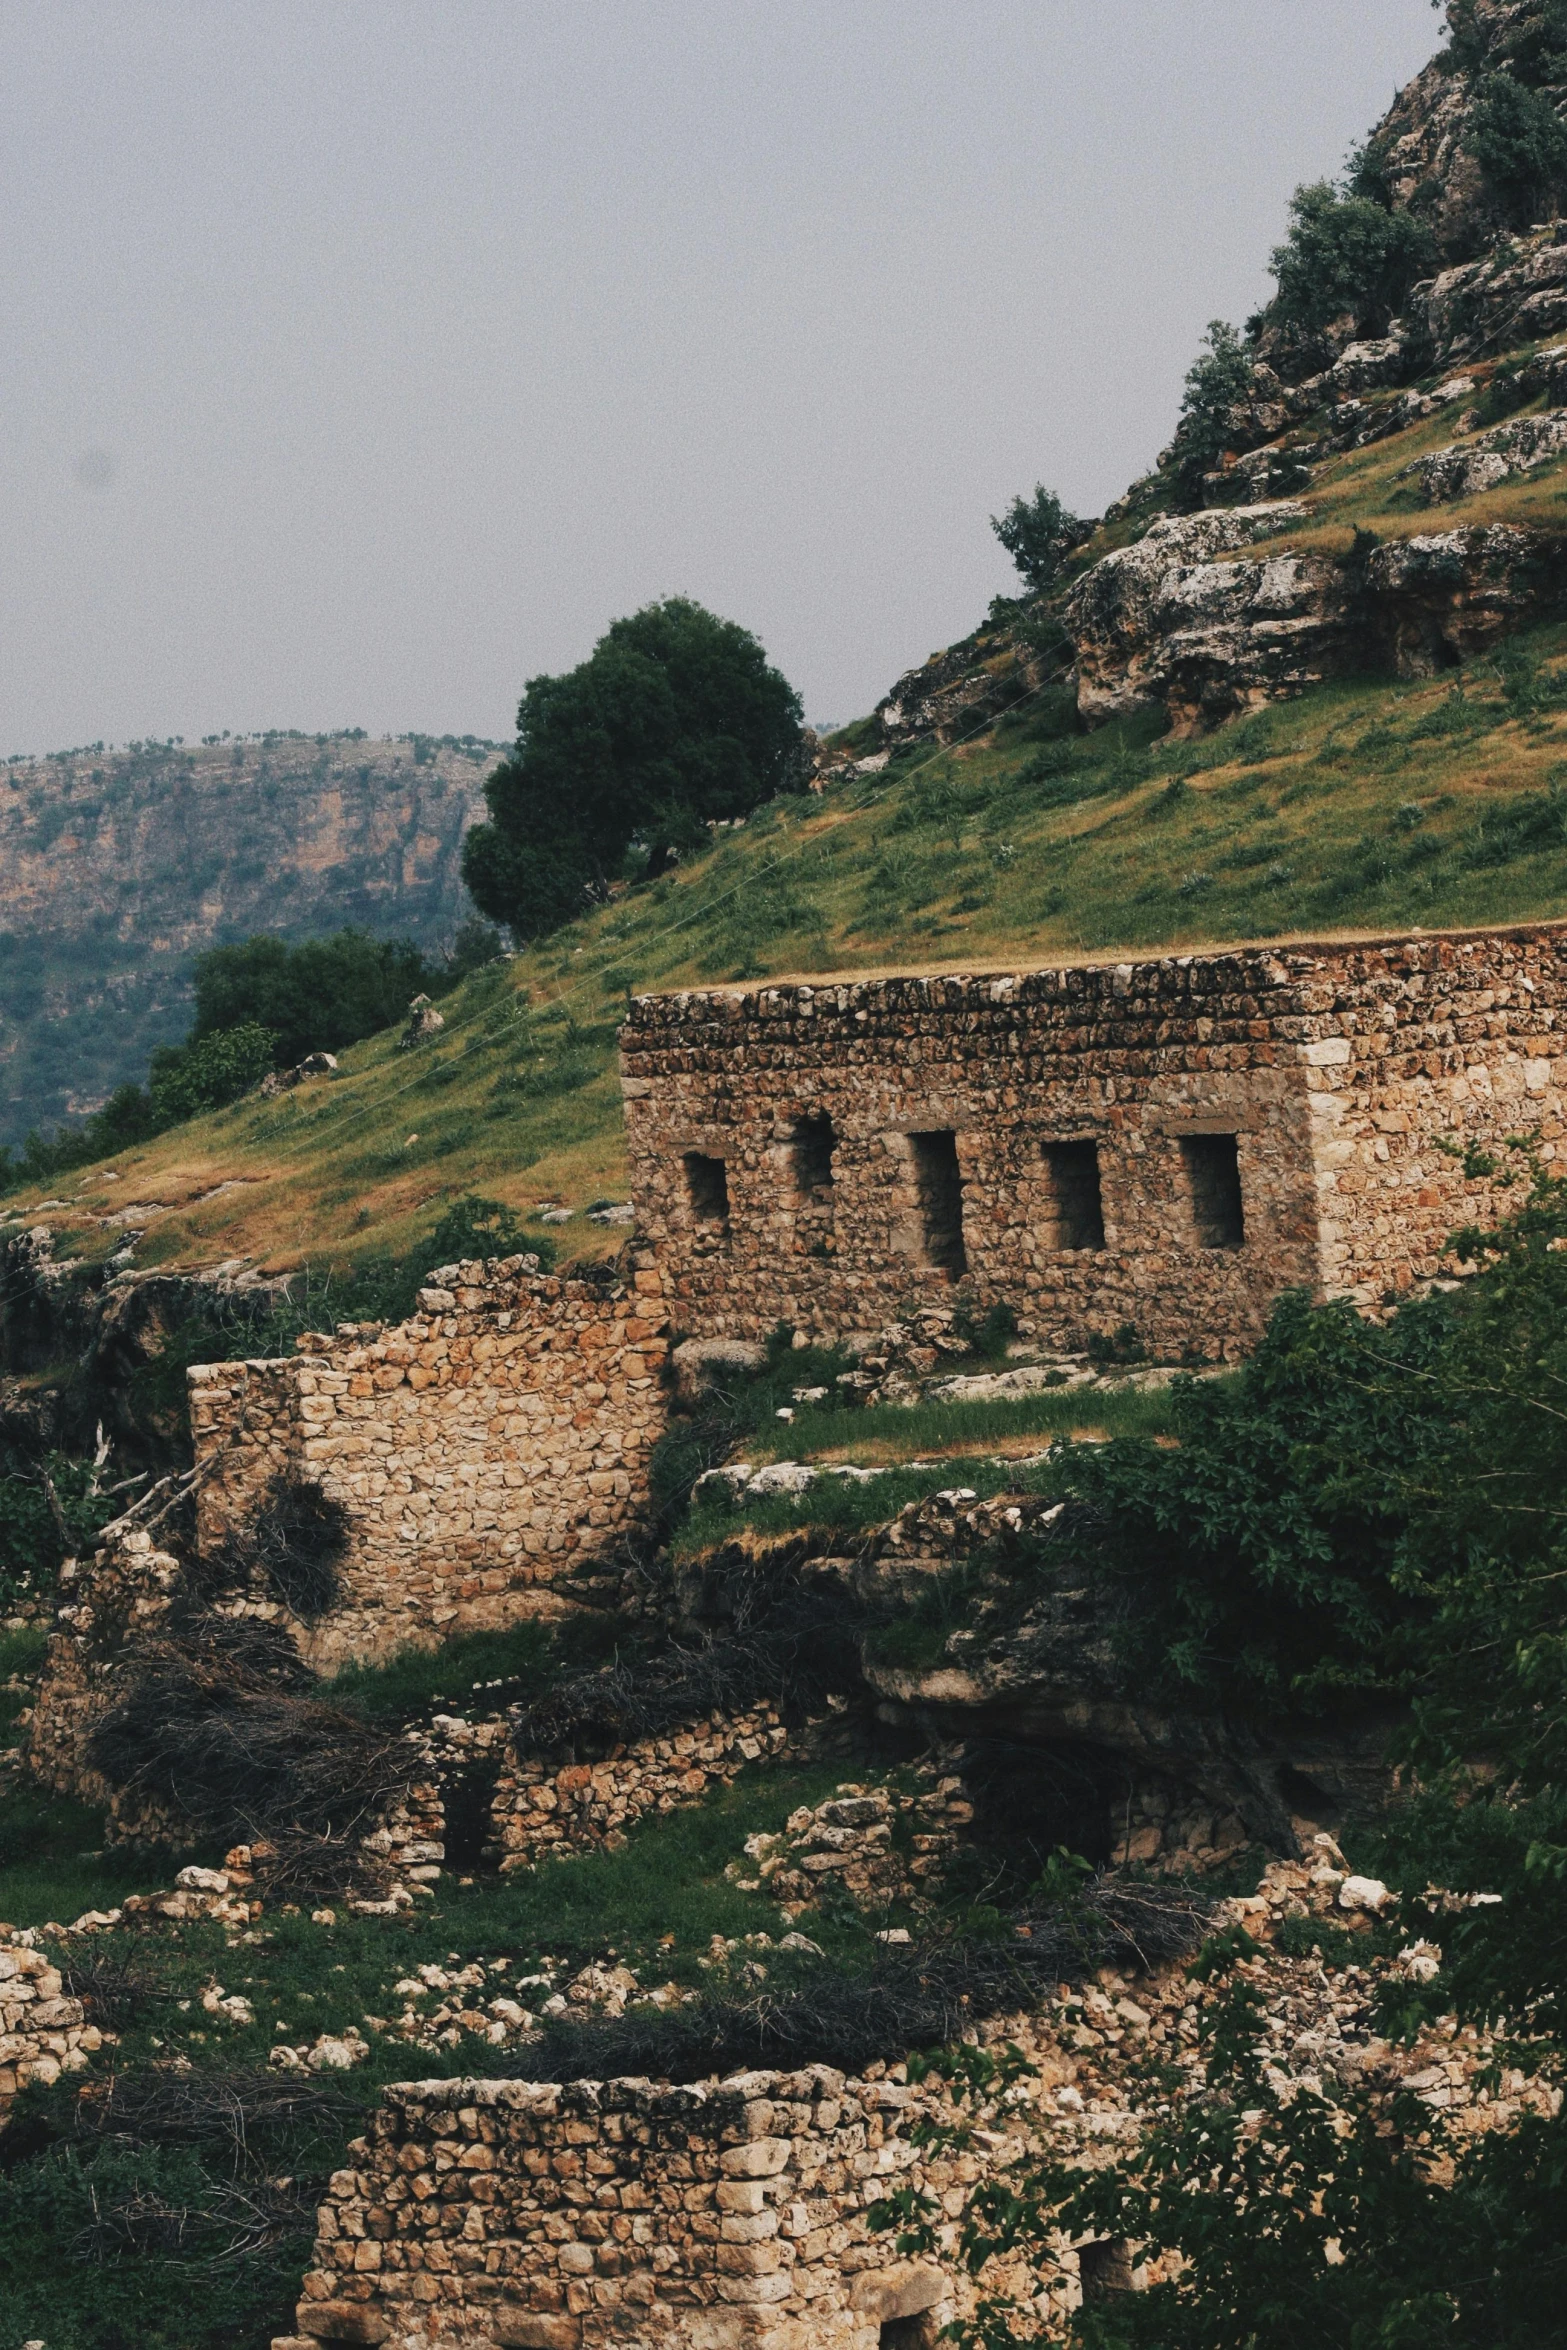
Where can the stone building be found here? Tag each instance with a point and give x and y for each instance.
(1166, 1144)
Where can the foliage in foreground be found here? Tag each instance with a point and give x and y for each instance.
(1365, 1507)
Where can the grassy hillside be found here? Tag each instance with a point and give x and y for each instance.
(1364, 806)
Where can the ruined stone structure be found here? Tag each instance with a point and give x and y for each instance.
(1168, 1144)
(621, 2212)
(543, 1810)
(497, 1439)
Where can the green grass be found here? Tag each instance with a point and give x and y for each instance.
(835, 1503)
(53, 1863)
(899, 1431)
(487, 1670)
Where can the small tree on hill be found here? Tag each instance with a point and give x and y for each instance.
(1217, 382)
(1346, 255)
(1039, 534)
(674, 720)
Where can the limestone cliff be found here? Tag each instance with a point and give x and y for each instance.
(117, 868)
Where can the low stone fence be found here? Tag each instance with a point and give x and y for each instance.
(620, 2212)
(542, 1808)
(42, 2033)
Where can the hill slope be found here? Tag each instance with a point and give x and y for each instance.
(117, 868)
(1366, 805)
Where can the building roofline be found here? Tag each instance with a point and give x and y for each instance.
(1315, 943)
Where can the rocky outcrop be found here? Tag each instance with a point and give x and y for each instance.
(1468, 467)
(959, 692)
(1178, 620)
(1172, 620)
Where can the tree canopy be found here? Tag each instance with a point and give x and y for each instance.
(675, 719)
(1346, 254)
(1039, 534)
(315, 997)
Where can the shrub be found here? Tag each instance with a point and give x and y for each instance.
(1217, 381)
(1346, 254)
(324, 993)
(1520, 143)
(210, 1072)
(1039, 534)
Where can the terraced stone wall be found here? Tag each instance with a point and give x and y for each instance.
(1168, 1143)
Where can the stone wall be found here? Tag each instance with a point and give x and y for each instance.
(480, 1450)
(42, 2033)
(632, 2215)
(1167, 1144)
(544, 1809)
(619, 2212)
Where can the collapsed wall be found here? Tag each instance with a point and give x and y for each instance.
(1167, 1144)
(479, 1450)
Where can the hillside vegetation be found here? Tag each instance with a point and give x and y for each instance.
(1365, 806)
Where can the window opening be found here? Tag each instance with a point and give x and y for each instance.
(909, 2333)
(1077, 1211)
(938, 1192)
(810, 1155)
(1213, 1179)
(707, 1188)
(1105, 2268)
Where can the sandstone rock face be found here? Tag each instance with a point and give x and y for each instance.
(118, 868)
(1433, 600)
(956, 693)
(1170, 620)
(1515, 293)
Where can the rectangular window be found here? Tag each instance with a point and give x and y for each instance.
(1213, 1182)
(810, 1156)
(1075, 1213)
(938, 1194)
(707, 1188)
(1105, 2268)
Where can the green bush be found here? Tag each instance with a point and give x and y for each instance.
(210, 1072)
(1039, 534)
(1217, 382)
(324, 993)
(1346, 254)
(1520, 143)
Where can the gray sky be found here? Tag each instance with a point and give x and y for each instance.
(363, 358)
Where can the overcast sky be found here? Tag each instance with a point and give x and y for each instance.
(363, 358)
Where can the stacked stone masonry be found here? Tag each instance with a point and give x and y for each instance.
(1168, 1144)
(621, 2212)
(545, 1810)
(734, 2215)
(42, 2032)
(497, 1439)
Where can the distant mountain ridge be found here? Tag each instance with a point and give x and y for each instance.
(118, 867)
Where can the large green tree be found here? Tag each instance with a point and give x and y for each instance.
(676, 718)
